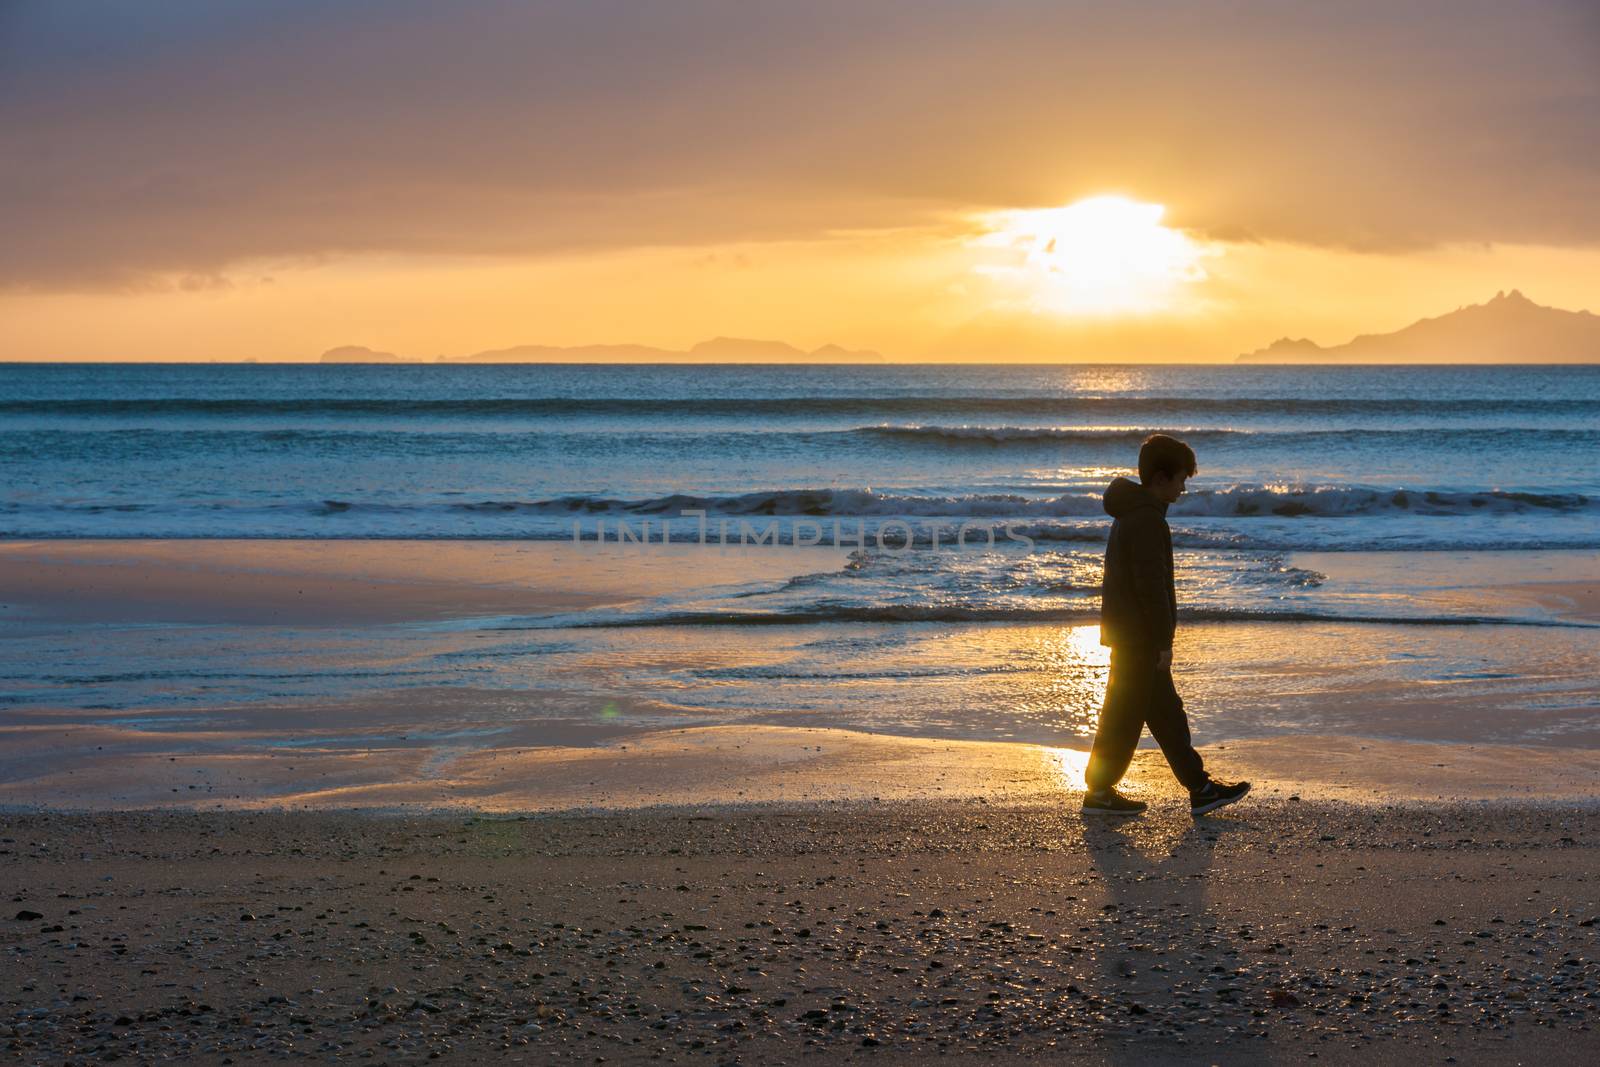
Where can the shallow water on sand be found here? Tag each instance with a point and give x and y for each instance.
(1033, 682)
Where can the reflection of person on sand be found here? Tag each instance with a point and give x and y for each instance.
(1138, 616)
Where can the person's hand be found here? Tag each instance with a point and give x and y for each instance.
(1164, 660)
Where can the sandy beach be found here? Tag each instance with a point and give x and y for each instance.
(587, 869)
(898, 933)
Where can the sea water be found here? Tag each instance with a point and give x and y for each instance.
(1329, 459)
(967, 496)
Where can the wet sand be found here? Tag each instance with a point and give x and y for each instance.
(603, 744)
(1571, 600)
(1561, 585)
(314, 583)
(66, 769)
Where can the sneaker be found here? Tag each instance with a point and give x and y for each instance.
(1111, 802)
(1216, 795)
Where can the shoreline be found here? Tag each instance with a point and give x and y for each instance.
(747, 766)
(616, 723)
(353, 581)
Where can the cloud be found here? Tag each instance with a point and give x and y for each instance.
(141, 140)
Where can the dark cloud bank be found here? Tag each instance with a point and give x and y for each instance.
(141, 139)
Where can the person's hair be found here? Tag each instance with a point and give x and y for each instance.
(1165, 455)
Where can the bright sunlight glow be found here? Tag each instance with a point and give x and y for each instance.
(1102, 256)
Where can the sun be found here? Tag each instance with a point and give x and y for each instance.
(1106, 255)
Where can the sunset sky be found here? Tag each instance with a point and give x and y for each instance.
(996, 180)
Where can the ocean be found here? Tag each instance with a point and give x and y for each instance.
(1292, 459)
(1362, 504)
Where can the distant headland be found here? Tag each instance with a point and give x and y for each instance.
(1508, 329)
(716, 350)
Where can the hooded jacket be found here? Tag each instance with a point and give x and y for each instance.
(1138, 602)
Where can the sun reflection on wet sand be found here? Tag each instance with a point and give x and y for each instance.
(1067, 764)
(1075, 665)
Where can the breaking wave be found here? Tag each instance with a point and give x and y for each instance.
(1132, 436)
(1232, 502)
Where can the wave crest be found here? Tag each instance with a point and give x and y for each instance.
(1278, 501)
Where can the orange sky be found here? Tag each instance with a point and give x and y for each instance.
(195, 181)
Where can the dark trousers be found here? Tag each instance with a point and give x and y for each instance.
(1138, 694)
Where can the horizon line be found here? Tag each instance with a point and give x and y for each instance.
(886, 361)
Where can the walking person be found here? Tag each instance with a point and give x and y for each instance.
(1138, 617)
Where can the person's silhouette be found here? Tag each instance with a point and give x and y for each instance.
(1138, 618)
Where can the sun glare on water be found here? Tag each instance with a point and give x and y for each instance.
(1103, 256)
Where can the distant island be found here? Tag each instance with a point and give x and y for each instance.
(716, 350)
(361, 354)
(1508, 329)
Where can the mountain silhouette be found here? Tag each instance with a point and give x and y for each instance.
(360, 354)
(1508, 329)
(576, 354)
(716, 350)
